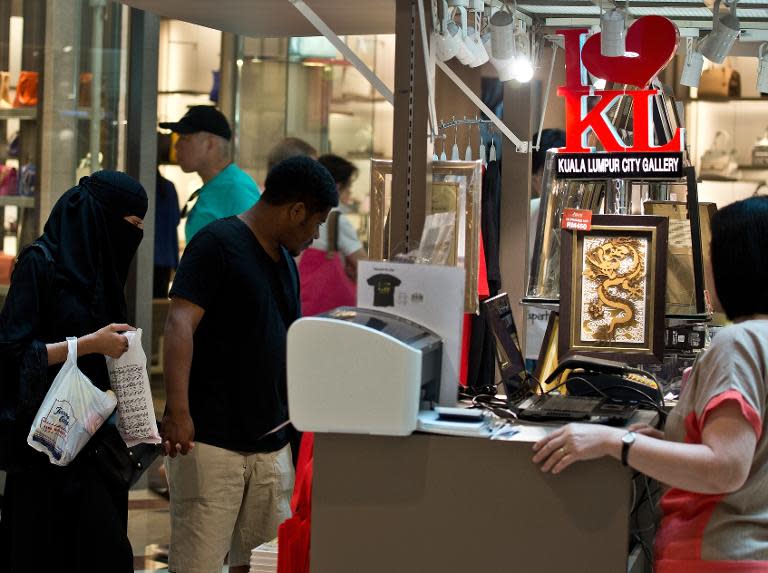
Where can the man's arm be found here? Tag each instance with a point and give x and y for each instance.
(178, 430)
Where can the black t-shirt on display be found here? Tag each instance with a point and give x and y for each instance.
(384, 289)
(237, 384)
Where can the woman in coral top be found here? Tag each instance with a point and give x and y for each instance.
(713, 453)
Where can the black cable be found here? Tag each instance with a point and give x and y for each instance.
(646, 550)
(656, 405)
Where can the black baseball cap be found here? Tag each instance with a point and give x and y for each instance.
(201, 118)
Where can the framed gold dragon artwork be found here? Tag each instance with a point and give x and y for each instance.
(612, 286)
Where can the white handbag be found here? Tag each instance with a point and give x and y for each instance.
(719, 160)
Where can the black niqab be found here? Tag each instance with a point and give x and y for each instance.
(91, 243)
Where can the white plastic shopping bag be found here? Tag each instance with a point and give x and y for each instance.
(72, 411)
(130, 381)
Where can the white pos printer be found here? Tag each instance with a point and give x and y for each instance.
(360, 371)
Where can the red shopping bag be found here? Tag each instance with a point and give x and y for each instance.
(293, 535)
(324, 282)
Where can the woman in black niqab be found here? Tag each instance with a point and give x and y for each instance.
(70, 282)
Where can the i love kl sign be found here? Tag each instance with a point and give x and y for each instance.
(651, 43)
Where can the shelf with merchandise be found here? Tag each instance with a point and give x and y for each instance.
(22, 113)
(748, 167)
(17, 201)
(724, 99)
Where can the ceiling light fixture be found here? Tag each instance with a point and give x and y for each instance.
(718, 43)
(762, 68)
(613, 32)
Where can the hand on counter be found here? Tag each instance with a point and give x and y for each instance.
(576, 442)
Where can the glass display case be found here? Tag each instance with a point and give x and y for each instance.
(62, 107)
(55, 129)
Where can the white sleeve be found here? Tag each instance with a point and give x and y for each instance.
(348, 241)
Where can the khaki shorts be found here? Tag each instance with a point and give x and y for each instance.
(225, 501)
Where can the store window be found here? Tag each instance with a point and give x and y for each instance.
(303, 87)
(62, 107)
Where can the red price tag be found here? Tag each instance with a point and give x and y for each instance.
(577, 219)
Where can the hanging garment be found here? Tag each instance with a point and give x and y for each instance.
(490, 224)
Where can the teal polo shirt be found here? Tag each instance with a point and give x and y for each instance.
(231, 192)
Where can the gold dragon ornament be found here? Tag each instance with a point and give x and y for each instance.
(618, 267)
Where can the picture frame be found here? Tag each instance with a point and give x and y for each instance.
(548, 353)
(613, 283)
(457, 188)
(381, 197)
(685, 284)
(509, 357)
(543, 284)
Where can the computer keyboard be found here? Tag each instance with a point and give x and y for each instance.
(553, 407)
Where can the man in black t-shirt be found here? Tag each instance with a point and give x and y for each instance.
(235, 294)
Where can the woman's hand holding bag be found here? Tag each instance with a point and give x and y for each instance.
(72, 411)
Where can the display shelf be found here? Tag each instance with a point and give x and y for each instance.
(16, 201)
(731, 179)
(28, 113)
(746, 167)
(724, 99)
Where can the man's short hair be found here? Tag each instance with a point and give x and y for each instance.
(739, 251)
(549, 138)
(301, 179)
(342, 170)
(289, 147)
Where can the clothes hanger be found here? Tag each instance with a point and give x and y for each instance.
(468, 150)
(482, 145)
(443, 157)
(492, 156)
(455, 148)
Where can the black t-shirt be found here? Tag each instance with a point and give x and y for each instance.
(237, 385)
(384, 289)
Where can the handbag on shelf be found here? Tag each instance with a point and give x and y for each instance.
(84, 89)
(760, 151)
(9, 181)
(719, 160)
(84, 167)
(5, 93)
(28, 180)
(720, 82)
(26, 90)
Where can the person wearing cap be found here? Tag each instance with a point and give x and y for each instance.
(204, 147)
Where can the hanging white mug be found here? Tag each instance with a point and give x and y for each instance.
(445, 47)
(475, 45)
(464, 51)
(762, 68)
(694, 63)
(446, 44)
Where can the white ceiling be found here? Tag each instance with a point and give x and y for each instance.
(277, 18)
(753, 14)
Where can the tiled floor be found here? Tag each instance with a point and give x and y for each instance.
(149, 530)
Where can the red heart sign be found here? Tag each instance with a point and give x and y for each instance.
(653, 38)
